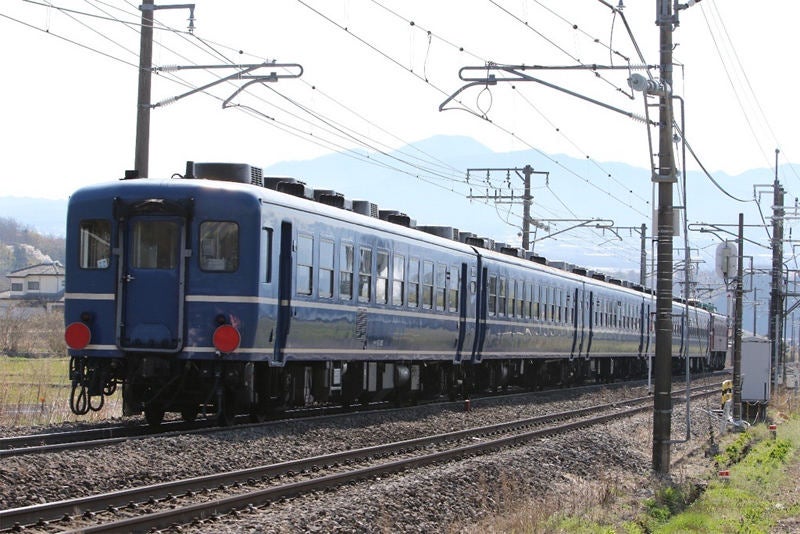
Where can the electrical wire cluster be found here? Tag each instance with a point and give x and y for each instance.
(317, 113)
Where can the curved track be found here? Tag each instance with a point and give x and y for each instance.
(109, 435)
(163, 505)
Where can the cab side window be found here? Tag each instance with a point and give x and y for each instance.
(219, 246)
(95, 251)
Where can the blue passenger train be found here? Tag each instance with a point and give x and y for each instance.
(230, 291)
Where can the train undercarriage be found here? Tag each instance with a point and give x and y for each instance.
(155, 385)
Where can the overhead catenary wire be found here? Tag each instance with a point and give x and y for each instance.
(274, 123)
(550, 41)
(736, 87)
(398, 63)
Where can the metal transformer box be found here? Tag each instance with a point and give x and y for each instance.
(756, 375)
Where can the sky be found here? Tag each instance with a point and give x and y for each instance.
(374, 75)
(71, 82)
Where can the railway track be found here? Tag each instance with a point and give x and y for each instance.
(109, 435)
(176, 502)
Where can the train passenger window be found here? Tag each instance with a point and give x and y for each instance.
(382, 277)
(413, 282)
(455, 286)
(346, 271)
(326, 268)
(398, 280)
(536, 298)
(427, 284)
(473, 280)
(305, 264)
(441, 285)
(512, 298)
(365, 275)
(502, 295)
(154, 244)
(528, 300)
(219, 245)
(551, 304)
(95, 252)
(492, 300)
(520, 299)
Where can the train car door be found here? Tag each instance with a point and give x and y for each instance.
(580, 320)
(467, 297)
(590, 315)
(151, 283)
(642, 328)
(480, 312)
(284, 292)
(650, 327)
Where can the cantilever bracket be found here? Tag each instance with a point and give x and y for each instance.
(516, 73)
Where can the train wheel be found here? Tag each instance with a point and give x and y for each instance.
(226, 410)
(154, 414)
(258, 412)
(189, 413)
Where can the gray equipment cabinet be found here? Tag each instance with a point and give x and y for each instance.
(756, 375)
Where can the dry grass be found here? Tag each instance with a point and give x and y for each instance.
(34, 371)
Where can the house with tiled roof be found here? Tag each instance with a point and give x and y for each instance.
(43, 283)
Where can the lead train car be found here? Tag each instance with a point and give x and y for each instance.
(214, 291)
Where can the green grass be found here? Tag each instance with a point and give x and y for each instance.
(751, 501)
(759, 493)
(34, 371)
(35, 391)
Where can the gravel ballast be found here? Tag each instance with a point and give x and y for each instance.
(568, 468)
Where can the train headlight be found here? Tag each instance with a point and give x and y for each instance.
(77, 336)
(226, 338)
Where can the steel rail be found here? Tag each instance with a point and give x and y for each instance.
(96, 437)
(42, 513)
(214, 508)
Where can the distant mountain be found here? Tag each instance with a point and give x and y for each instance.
(434, 193)
(426, 181)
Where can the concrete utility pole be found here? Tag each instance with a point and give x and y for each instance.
(737, 326)
(527, 199)
(142, 157)
(643, 257)
(776, 291)
(665, 177)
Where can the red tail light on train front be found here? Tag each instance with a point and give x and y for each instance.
(226, 338)
(77, 336)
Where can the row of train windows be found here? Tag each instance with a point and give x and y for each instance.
(415, 283)
(155, 243)
(693, 330)
(434, 285)
(525, 300)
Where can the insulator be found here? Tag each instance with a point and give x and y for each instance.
(166, 102)
(168, 68)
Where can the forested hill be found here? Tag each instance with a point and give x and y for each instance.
(21, 246)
